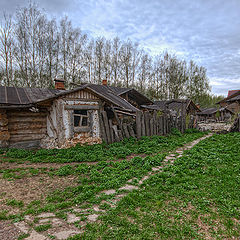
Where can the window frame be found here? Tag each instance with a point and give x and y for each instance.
(81, 128)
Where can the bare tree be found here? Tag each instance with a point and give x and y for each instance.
(6, 48)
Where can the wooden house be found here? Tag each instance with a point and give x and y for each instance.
(34, 118)
(215, 114)
(232, 101)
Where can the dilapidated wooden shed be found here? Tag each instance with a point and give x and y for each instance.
(33, 117)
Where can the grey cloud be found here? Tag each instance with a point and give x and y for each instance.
(206, 31)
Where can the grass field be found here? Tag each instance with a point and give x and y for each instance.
(196, 198)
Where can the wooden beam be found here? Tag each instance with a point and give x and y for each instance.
(81, 107)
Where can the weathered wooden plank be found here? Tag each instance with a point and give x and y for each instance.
(26, 119)
(32, 144)
(120, 135)
(138, 124)
(116, 117)
(155, 123)
(106, 126)
(143, 130)
(147, 123)
(26, 114)
(151, 127)
(28, 125)
(26, 137)
(28, 131)
(111, 130)
(116, 134)
(125, 129)
(131, 131)
(102, 128)
(81, 107)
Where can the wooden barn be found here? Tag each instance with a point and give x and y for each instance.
(34, 118)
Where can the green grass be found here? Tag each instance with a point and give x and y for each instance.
(101, 152)
(196, 198)
(92, 179)
(43, 227)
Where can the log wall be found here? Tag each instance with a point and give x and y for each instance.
(26, 128)
(4, 133)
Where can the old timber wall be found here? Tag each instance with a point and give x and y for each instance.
(26, 128)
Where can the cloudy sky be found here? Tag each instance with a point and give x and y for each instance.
(207, 31)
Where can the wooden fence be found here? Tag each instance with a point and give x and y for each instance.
(143, 124)
(236, 125)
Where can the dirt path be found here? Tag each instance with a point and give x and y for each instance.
(62, 229)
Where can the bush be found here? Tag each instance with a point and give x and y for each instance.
(176, 132)
(192, 130)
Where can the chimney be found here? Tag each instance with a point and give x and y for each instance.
(59, 84)
(104, 82)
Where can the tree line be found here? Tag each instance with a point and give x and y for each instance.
(35, 49)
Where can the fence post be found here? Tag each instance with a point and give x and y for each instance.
(138, 124)
(106, 126)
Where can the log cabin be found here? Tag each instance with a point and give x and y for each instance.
(57, 118)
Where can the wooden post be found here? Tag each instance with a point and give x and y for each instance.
(147, 123)
(182, 119)
(102, 128)
(114, 127)
(138, 124)
(155, 123)
(143, 130)
(151, 127)
(126, 130)
(106, 125)
(111, 130)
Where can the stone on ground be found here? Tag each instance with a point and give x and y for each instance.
(128, 187)
(66, 234)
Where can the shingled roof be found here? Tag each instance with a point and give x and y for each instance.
(26, 97)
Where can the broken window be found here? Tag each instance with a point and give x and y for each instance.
(81, 118)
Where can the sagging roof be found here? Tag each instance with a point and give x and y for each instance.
(132, 94)
(26, 97)
(209, 111)
(176, 104)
